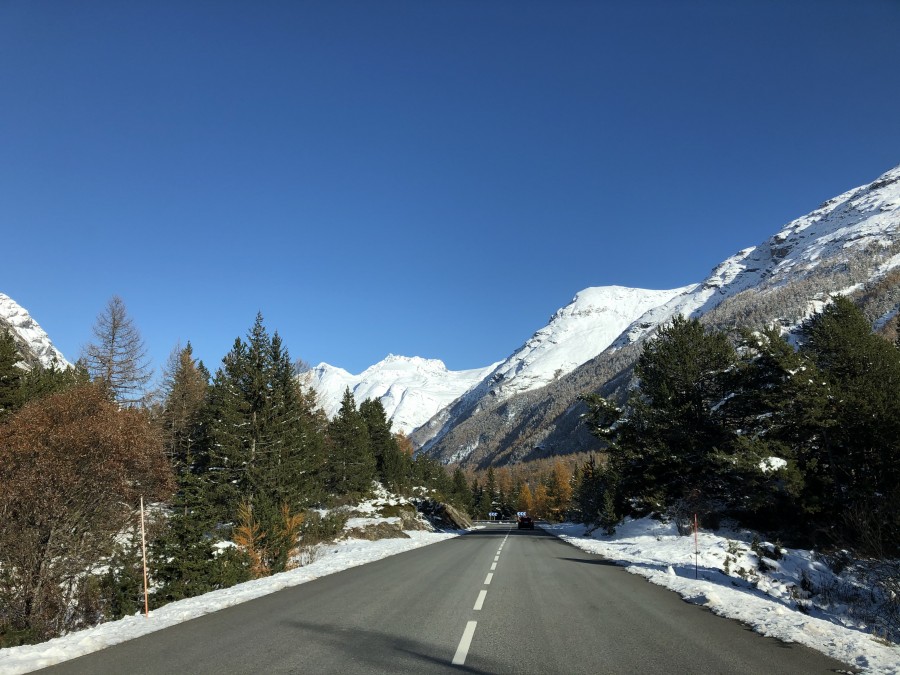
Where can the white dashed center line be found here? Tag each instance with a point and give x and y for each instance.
(462, 651)
(493, 566)
(479, 603)
(487, 579)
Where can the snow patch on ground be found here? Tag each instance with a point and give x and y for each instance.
(767, 602)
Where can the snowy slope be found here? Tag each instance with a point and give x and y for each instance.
(28, 333)
(412, 389)
(865, 218)
(575, 334)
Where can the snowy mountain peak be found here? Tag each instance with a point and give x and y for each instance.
(411, 389)
(31, 338)
(575, 334)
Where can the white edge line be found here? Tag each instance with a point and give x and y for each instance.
(479, 603)
(463, 650)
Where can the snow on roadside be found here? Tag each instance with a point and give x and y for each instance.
(331, 558)
(766, 602)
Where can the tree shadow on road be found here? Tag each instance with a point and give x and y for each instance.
(380, 651)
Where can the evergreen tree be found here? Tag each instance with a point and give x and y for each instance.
(43, 381)
(431, 474)
(777, 409)
(861, 446)
(460, 493)
(11, 394)
(672, 444)
(490, 485)
(390, 464)
(186, 561)
(351, 463)
(264, 443)
(485, 504)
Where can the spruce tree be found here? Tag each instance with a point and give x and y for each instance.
(11, 393)
(264, 444)
(351, 462)
(390, 467)
(43, 380)
(460, 494)
(186, 561)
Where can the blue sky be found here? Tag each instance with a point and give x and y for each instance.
(428, 178)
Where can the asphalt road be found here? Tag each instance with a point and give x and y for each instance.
(498, 600)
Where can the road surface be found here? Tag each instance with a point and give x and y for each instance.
(498, 600)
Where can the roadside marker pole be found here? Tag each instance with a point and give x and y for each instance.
(696, 548)
(144, 553)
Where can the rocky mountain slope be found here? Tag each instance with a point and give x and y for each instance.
(849, 245)
(574, 335)
(34, 344)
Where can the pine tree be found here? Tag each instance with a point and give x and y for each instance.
(672, 444)
(862, 446)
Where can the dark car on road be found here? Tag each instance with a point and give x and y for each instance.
(525, 523)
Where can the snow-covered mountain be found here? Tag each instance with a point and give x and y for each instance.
(33, 342)
(575, 334)
(849, 245)
(861, 223)
(411, 389)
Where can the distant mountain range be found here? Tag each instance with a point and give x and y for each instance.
(34, 344)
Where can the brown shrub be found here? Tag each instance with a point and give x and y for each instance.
(72, 469)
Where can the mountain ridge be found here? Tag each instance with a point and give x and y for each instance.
(848, 245)
(33, 342)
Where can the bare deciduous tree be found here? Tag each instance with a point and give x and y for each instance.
(117, 359)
